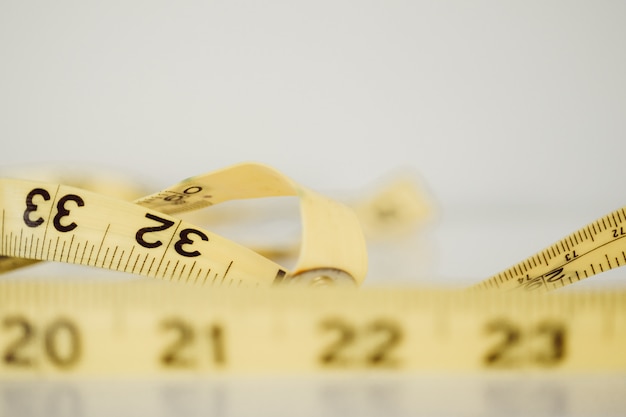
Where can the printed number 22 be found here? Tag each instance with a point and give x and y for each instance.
(385, 334)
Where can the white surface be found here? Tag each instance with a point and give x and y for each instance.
(353, 395)
(514, 114)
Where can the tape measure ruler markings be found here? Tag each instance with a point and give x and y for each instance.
(159, 328)
(593, 249)
(146, 328)
(136, 238)
(44, 231)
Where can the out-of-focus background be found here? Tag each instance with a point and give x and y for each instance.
(511, 115)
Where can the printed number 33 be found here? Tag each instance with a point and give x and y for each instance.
(62, 211)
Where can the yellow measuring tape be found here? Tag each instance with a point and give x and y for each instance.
(55, 222)
(211, 320)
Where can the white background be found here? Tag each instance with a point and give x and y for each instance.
(512, 113)
(491, 101)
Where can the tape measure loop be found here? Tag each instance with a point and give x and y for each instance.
(331, 233)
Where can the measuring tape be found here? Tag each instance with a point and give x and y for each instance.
(55, 222)
(154, 328)
(200, 323)
(596, 248)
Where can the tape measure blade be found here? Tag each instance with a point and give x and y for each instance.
(331, 233)
(157, 328)
(598, 247)
(59, 223)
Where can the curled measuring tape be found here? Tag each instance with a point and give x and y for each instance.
(56, 222)
(160, 328)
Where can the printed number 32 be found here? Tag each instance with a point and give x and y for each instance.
(183, 236)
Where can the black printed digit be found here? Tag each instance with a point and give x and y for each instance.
(185, 240)
(32, 207)
(174, 354)
(62, 343)
(334, 354)
(392, 336)
(500, 355)
(62, 211)
(139, 236)
(14, 353)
